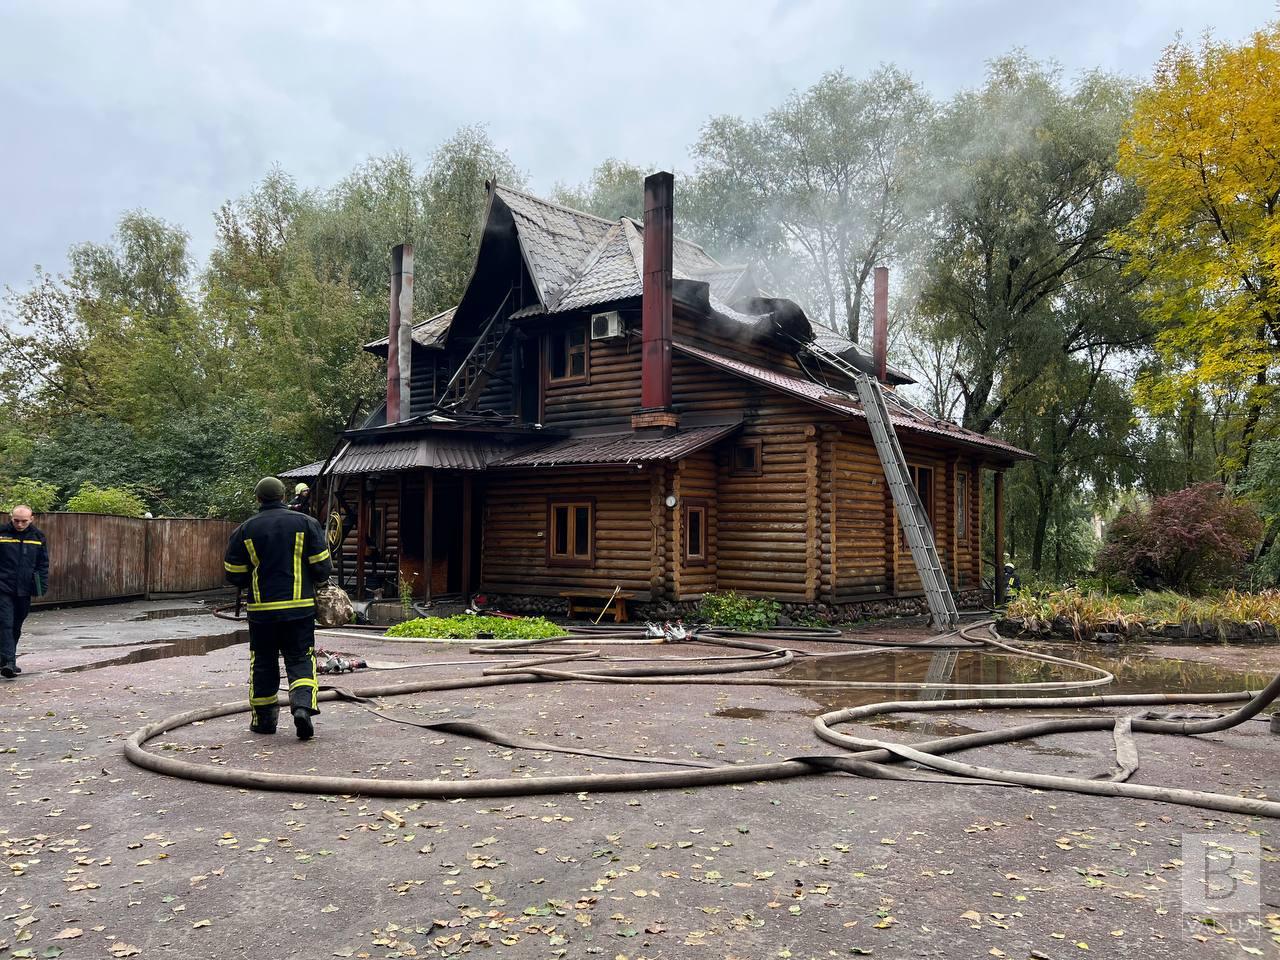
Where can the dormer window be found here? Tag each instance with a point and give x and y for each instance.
(567, 355)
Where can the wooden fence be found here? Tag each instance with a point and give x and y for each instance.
(98, 557)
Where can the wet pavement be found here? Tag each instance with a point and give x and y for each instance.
(809, 868)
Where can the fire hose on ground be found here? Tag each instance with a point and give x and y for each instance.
(869, 757)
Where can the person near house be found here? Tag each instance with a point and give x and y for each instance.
(301, 501)
(24, 573)
(280, 556)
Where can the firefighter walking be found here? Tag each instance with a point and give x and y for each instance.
(280, 556)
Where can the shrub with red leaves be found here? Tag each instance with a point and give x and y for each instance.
(1190, 541)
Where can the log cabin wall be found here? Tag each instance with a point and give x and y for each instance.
(625, 542)
(694, 484)
(766, 524)
(862, 552)
(968, 548)
(422, 381)
(610, 394)
(906, 577)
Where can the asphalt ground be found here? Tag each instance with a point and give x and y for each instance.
(105, 860)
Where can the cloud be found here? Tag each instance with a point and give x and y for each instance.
(179, 107)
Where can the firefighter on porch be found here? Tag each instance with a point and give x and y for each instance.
(281, 556)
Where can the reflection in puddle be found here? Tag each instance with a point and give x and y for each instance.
(170, 613)
(165, 649)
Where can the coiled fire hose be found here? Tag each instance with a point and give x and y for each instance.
(870, 757)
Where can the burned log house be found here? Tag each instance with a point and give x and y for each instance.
(608, 407)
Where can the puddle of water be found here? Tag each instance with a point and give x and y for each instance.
(745, 713)
(164, 650)
(169, 613)
(1143, 672)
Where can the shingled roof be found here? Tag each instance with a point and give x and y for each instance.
(431, 332)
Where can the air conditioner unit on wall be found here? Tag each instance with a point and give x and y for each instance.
(606, 326)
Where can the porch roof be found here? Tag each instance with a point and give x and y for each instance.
(432, 451)
(619, 448)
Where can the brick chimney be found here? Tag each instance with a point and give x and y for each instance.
(880, 335)
(399, 333)
(659, 229)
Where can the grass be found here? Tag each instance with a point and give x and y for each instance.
(1091, 612)
(467, 627)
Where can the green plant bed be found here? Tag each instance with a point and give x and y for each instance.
(1228, 617)
(730, 609)
(466, 627)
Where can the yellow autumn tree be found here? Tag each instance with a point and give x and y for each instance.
(1204, 146)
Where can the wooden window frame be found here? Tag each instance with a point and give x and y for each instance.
(695, 505)
(559, 339)
(757, 445)
(571, 559)
(926, 498)
(926, 495)
(963, 523)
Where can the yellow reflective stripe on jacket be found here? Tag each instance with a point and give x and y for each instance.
(317, 557)
(236, 567)
(282, 604)
(297, 565)
(253, 555)
(34, 543)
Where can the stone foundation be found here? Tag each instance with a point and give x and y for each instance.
(878, 609)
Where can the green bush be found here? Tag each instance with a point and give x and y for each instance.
(116, 501)
(467, 627)
(37, 495)
(733, 610)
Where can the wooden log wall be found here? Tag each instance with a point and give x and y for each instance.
(627, 545)
(694, 481)
(422, 380)
(608, 398)
(967, 564)
(498, 394)
(862, 542)
(907, 578)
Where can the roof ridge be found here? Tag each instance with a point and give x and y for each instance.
(591, 259)
(550, 203)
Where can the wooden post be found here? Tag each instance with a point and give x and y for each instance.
(428, 505)
(362, 533)
(998, 547)
(467, 480)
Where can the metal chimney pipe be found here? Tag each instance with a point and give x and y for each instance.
(399, 333)
(659, 231)
(880, 328)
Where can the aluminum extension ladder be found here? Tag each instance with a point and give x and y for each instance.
(915, 521)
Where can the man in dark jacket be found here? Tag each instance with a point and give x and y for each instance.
(24, 573)
(281, 556)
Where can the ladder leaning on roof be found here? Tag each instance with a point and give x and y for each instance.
(915, 521)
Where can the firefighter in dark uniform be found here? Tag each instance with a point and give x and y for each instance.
(24, 573)
(281, 557)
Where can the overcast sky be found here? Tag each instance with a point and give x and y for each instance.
(177, 107)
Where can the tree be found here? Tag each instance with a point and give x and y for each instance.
(454, 186)
(1202, 146)
(824, 177)
(1024, 198)
(614, 190)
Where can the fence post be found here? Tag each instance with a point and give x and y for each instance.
(146, 557)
